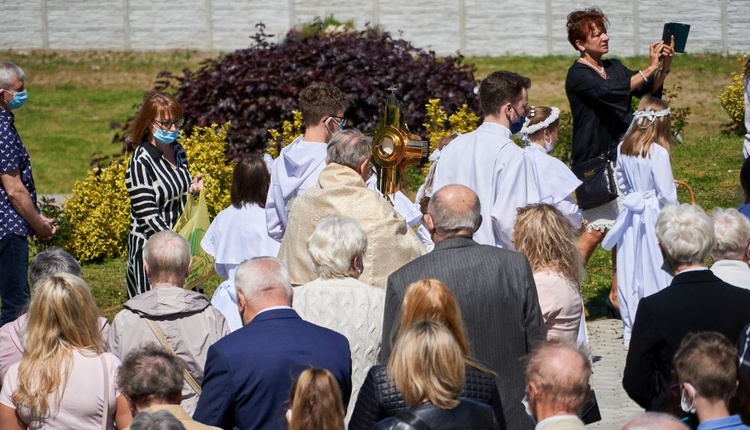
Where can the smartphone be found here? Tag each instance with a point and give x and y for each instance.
(679, 31)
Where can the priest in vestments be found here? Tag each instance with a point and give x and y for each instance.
(341, 191)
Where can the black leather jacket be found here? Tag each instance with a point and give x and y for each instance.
(468, 415)
(379, 399)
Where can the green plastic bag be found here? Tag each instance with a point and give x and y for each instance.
(192, 225)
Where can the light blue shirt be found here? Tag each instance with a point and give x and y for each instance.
(732, 422)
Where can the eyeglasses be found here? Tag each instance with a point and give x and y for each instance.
(168, 124)
(340, 121)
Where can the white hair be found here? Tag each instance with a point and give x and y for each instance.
(9, 72)
(262, 275)
(167, 255)
(655, 421)
(334, 243)
(732, 233)
(685, 233)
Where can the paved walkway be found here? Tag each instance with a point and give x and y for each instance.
(605, 338)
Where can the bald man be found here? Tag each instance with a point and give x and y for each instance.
(557, 384)
(494, 287)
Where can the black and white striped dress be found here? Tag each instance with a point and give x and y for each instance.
(158, 193)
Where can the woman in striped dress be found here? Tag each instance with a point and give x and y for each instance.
(157, 179)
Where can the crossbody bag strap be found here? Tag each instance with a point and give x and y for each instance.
(165, 344)
(105, 411)
(413, 420)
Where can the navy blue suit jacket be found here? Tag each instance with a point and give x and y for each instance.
(249, 372)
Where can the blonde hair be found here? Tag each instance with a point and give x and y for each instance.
(430, 299)
(548, 240)
(315, 401)
(62, 318)
(427, 365)
(643, 132)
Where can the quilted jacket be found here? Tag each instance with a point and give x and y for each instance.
(379, 399)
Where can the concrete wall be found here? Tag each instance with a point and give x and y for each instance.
(472, 27)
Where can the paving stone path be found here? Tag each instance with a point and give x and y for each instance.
(605, 338)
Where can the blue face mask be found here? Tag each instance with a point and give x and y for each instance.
(18, 100)
(517, 125)
(166, 137)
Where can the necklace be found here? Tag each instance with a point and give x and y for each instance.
(598, 69)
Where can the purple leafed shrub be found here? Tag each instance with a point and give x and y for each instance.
(257, 88)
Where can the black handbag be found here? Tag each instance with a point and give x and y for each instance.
(598, 182)
(589, 412)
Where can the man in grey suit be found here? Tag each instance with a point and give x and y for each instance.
(494, 287)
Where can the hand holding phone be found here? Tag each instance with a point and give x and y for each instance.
(680, 33)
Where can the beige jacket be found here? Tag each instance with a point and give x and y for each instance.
(341, 191)
(186, 318)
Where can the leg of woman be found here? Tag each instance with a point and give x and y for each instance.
(136, 273)
(587, 243)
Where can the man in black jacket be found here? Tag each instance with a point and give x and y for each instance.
(695, 301)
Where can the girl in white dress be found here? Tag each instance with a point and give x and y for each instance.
(644, 175)
(554, 181)
(239, 232)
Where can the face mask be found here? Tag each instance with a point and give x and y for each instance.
(517, 125)
(549, 145)
(526, 405)
(18, 100)
(687, 400)
(166, 137)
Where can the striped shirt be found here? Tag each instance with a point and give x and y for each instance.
(158, 193)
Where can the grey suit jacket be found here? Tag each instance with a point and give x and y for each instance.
(496, 293)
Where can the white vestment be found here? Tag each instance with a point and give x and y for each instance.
(490, 163)
(555, 183)
(236, 235)
(648, 185)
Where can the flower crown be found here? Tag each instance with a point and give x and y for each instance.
(531, 129)
(648, 114)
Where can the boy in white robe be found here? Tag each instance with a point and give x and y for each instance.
(299, 165)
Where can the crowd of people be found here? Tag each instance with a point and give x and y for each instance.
(340, 309)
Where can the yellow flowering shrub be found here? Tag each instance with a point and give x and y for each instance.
(98, 214)
(439, 124)
(290, 130)
(732, 96)
(205, 152)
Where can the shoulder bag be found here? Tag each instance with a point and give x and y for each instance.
(165, 344)
(598, 187)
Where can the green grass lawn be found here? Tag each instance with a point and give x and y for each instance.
(78, 101)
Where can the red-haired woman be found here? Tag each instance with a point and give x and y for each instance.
(157, 179)
(600, 93)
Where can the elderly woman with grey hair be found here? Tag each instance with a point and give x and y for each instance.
(337, 247)
(732, 249)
